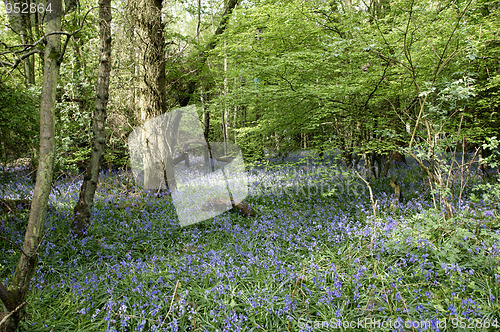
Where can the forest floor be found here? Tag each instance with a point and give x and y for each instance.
(314, 259)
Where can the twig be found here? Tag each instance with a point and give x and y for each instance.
(27, 47)
(18, 247)
(297, 281)
(172, 301)
(374, 207)
(295, 288)
(11, 313)
(135, 316)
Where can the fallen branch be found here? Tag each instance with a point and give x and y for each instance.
(4, 320)
(374, 207)
(11, 205)
(171, 302)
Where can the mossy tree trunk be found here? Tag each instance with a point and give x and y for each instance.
(13, 298)
(83, 207)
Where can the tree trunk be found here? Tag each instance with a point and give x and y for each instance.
(204, 111)
(149, 28)
(378, 159)
(85, 203)
(20, 24)
(483, 165)
(235, 118)
(397, 194)
(27, 38)
(347, 156)
(387, 165)
(206, 129)
(398, 157)
(225, 114)
(394, 156)
(370, 171)
(152, 93)
(13, 298)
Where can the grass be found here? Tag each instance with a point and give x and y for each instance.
(313, 260)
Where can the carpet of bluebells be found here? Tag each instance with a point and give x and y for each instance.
(314, 259)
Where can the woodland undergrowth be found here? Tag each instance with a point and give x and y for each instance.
(313, 258)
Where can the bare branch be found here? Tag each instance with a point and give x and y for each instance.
(11, 313)
(14, 244)
(27, 47)
(19, 60)
(5, 63)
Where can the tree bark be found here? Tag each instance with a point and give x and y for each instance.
(397, 193)
(13, 297)
(387, 164)
(149, 29)
(85, 203)
(152, 91)
(398, 157)
(370, 171)
(483, 165)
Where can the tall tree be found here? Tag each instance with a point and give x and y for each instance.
(151, 43)
(13, 298)
(152, 91)
(85, 203)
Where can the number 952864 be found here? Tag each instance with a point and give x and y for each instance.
(458, 322)
(27, 8)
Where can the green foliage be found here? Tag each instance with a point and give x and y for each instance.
(488, 193)
(297, 76)
(296, 58)
(73, 136)
(457, 237)
(18, 122)
(249, 140)
(75, 105)
(484, 111)
(117, 154)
